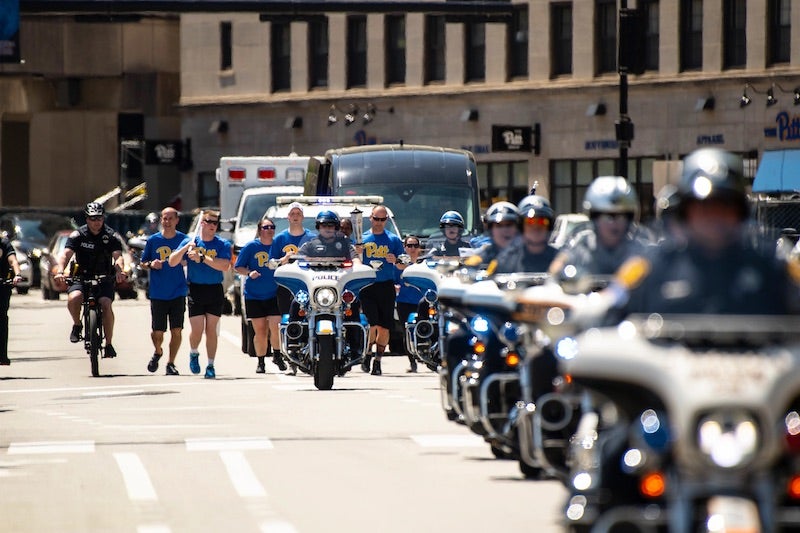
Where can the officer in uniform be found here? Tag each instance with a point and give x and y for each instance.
(532, 252)
(452, 226)
(329, 241)
(502, 220)
(8, 266)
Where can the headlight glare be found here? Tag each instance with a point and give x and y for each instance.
(325, 297)
(729, 439)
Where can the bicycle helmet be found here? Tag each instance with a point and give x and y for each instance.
(451, 217)
(501, 212)
(611, 194)
(711, 173)
(94, 209)
(327, 217)
(535, 206)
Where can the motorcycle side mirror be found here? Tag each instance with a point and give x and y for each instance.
(376, 264)
(272, 264)
(404, 259)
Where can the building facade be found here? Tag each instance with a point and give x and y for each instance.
(534, 94)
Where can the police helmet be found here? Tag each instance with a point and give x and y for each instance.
(501, 212)
(151, 218)
(711, 173)
(611, 194)
(94, 209)
(327, 217)
(535, 206)
(452, 217)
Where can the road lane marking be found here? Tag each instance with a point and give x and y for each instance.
(134, 474)
(153, 528)
(276, 526)
(19, 448)
(225, 443)
(230, 337)
(114, 393)
(160, 384)
(448, 441)
(241, 475)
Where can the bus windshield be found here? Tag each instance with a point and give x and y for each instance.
(418, 207)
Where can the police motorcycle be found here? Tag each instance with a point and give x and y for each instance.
(694, 424)
(426, 329)
(319, 337)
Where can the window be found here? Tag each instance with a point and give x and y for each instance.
(507, 181)
(734, 44)
(207, 189)
(691, 30)
(779, 29)
(518, 44)
(434, 48)
(606, 35)
(561, 35)
(475, 51)
(318, 53)
(280, 49)
(395, 34)
(225, 45)
(651, 34)
(356, 51)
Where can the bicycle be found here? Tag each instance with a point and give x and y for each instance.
(93, 331)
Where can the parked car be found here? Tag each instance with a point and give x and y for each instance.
(25, 271)
(30, 232)
(48, 267)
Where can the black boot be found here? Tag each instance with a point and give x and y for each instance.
(413, 362)
(260, 368)
(277, 358)
(365, 363)
(376, 368)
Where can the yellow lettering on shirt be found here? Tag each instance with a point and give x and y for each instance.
(262, 258)
(163, 252)
(290, 249)
(208, 253)
(372, 250)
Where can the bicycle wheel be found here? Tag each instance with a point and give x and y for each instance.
(95, 340)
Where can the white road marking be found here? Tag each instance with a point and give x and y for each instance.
(114, 392)
(448, 441)
(242, 476)
(160, 385)
(276, 526)
(135, 476)
(230, 337)
(19, 448)
(153, 528)
(235, 443)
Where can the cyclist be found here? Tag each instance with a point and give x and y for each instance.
(8, 264)
(97, 251)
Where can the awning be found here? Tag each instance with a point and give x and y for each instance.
(779, 171)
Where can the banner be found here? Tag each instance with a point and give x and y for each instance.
(9, 31)
(511, 138)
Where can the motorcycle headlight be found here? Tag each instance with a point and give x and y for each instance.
(480, 326)
(430, 296)
(325, 297)
(729, 439)
(301, 297)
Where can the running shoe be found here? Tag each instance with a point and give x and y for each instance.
(75, 334)
(109, 352)
(210, 374)
(171, 370)
(194, 362)
(152, 366)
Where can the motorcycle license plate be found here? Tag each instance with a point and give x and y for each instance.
(728, 514)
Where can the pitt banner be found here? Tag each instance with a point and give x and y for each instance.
(9, 31)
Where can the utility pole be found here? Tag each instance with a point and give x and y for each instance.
(630, 59)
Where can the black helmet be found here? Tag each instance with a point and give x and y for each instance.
(711, 173)
(612, 195)
(94, 209)
(451, 217)
(501, 212)
(327, 217)
(535, 206)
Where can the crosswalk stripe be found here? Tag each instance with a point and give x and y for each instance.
(135, 476)
(220, 444)
(19, 448)
(241, 475)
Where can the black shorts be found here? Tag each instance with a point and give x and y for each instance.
(377, 303)
(173, 309)
(106, 288)
(261, 308)
(206, 299)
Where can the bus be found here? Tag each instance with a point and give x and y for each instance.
(418, 183)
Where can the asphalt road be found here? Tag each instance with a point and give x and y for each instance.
(150, 453)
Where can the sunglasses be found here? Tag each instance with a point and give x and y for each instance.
(380, 219)
(412, 245)
(268, 226)
(613, 217)
(95, 218)
(451, 226)
(537, 221)
(327, 224)
(209, 221)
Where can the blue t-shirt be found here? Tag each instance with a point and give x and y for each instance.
(286, 244)
(376, 247)
(255, 256)
(202, 273)
(166, 283)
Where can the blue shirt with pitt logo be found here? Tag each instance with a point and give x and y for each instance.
(166, 283)
(285, 243)
(201, 273)
(255, 256)
(377, 247)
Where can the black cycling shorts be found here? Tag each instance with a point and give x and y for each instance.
(206, 299)
(173, 309)
(377, 303)
(261, 308)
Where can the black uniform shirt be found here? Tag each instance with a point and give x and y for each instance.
(93, 253)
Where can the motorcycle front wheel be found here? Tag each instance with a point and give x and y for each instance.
(94, 341)
(323, 370)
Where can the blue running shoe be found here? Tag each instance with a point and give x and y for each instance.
(210, 374)
(194, 362)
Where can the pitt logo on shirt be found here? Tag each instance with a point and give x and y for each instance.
(163, 252)
(371, 249)
(262, 258)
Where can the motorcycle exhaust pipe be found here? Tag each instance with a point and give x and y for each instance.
(423, 330)
(294, 330)
(555, 412)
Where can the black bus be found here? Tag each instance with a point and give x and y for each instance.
(419, 183)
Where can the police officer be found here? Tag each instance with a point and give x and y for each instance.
(532, 252)
(97, 251)
(8, 265)
(329, 241)
(717, 270)
(502, 220)
(452, 226)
